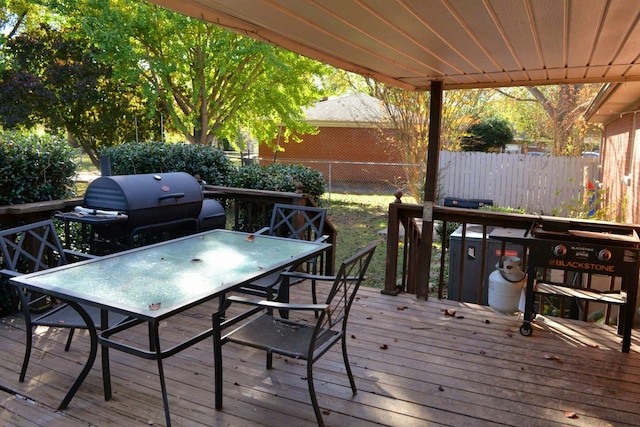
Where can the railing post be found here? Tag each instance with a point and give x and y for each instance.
(393, 238)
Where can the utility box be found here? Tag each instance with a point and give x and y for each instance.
(466, 283)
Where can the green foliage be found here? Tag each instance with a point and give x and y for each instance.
(54, 78)
(35, 169)
(487, 135)
(280, 177)
(153, 157)
(504, 209)
(213, 83)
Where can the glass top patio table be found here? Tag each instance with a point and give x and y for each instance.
(155, 282)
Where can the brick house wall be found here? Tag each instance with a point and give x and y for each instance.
(620, 167)
(342, 147)
(348, 134)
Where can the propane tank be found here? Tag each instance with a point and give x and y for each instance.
(505, 285)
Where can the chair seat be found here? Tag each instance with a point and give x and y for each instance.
(64, 315)
(281, 336)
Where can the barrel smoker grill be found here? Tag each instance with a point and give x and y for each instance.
(120, 207)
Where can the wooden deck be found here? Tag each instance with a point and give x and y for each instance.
(414, 366)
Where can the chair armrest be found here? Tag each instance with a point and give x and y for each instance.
(321, 239)
(307, 276)
(277, 305)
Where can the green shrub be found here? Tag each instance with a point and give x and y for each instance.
(280, 177)
(153, 157)
(35, 168)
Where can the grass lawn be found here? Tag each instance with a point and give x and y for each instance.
(359, 220)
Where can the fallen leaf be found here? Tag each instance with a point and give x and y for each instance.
(487, 321)
(353, 337)
(459, 317)
(448, 312)
(550, 357)
(250, 238)
(384, 347)
(155, 306)
(326, 412)
(570, 414)
(402, 307)
(509, 334)
(440, 388)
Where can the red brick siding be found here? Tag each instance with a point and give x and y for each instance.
(619, 158)
(338, 144)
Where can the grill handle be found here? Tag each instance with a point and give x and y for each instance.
(171, 196)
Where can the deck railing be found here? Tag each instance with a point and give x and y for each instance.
(402, 265)
(247, 210)
(402, 262)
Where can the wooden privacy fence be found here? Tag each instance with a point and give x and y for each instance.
(546, 185)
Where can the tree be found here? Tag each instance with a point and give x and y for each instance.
(551, 113)
(407, 115)
(213, 83)
(488, 135)
(54, 78)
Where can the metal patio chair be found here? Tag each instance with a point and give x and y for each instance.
(292, 222)
(305, 340)
(35, 247)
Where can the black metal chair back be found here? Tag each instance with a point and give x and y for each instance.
(31, 248)
(35, 247)
(292, 222)
(297, 222)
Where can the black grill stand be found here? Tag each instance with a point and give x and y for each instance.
(582, 248)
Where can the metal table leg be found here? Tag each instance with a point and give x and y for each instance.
(90, 360)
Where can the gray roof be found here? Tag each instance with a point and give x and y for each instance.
(356, 108)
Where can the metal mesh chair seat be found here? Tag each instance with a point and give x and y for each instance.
(282, 336)
(65, 316)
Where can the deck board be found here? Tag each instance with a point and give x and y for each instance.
(414, 366)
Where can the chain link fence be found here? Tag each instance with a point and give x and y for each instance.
(364, 177)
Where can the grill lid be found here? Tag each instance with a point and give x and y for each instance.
(126, 193)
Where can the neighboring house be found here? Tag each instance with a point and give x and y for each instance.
(350, 131)
(617, 107)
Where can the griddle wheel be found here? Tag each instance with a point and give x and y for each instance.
(526, 329)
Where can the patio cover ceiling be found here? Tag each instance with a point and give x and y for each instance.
(463, 43)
